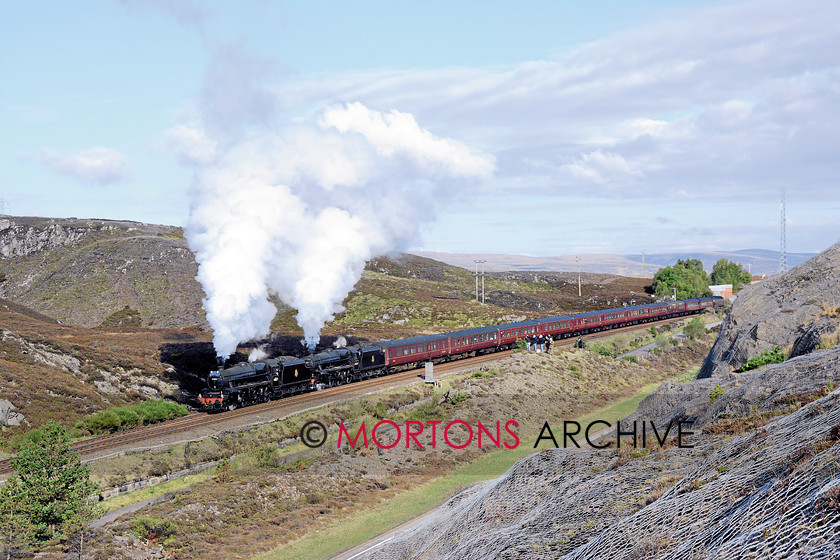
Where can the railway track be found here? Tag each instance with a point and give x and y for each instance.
(310, 400)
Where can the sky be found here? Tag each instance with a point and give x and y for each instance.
(610, 126)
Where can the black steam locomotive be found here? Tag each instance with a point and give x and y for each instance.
(250, 383)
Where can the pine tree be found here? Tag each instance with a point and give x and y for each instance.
(15, 528)
(54, 485)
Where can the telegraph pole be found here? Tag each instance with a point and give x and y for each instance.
(782, 241)
(4, 207)
(643, 263)
(578, 261)
(481, 262)
(476, 280)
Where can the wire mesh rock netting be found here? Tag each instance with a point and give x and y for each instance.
(770, 493)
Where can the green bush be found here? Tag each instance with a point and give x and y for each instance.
(774, 356)
(266, 456)
(151, 528)
(694, 328)
(128, 417)
(104, 422)
(380, 410)
(119, 418)
(458, 397)
(653, 330)
(603, 350)
(716, 392)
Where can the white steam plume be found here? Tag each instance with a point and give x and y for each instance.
(257, 354)
(297, 213)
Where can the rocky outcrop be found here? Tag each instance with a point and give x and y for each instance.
(770, 388)
(9, 416)
(788, 310)
(85, 271)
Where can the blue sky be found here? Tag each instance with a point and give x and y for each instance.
(613, 126)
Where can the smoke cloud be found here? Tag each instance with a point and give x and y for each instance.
(297, 212)
(257, 354)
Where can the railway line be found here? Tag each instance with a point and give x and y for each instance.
(302, 402)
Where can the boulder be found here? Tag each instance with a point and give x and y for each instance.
(788, 310)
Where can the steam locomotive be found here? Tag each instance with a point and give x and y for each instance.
(263, 380)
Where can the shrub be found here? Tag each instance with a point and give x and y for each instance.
(694, 328)
(519, 345)
(774, 356)
(830, 309)
(633, 359)
(151, 528)
(458, 397)
(602, 350)
(223, 473)
(119, 418)
(104, 422)
(155, 411)
(380, 410)
(266, 456)
(653, 330)
(716, 392)
(829, 340)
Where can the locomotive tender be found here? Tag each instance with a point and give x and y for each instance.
(264, 380)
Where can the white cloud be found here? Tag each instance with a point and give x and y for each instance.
(92, 166)
(602, 167)
(724, 101)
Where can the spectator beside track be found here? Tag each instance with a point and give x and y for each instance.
(548, 345)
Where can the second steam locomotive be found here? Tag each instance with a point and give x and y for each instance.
(263, 380)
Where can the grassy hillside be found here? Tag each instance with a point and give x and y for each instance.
(55, 371)
(84, 271)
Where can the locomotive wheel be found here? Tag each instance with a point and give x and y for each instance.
(231, 406)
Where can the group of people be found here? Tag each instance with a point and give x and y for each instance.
(538, 343)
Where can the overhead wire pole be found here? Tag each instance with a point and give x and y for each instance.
(476, 280)
(578, 261)
(482, 281)
(782, 241)
(481, 262)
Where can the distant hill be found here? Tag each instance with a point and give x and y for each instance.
(759, 261)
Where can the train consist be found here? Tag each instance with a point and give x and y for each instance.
(264, 380)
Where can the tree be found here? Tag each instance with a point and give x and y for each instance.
(726, 272)
(54, 485)
(15, 528)
(687, 276)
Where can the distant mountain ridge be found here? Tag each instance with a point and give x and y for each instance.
(758, 261)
